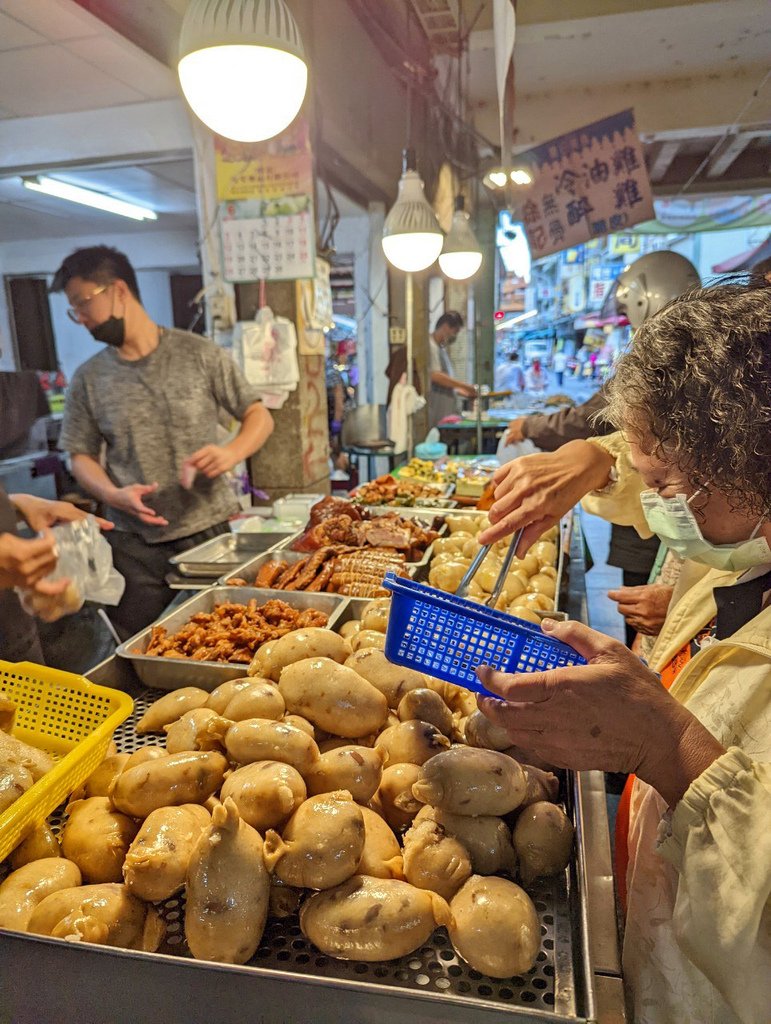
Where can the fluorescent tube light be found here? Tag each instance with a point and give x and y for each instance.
(87, 197)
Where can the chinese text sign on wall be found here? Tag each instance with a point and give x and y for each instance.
(587, 183)
(267, 223)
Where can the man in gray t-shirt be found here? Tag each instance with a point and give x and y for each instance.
(140, 424)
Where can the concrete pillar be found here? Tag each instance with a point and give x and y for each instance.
(296, 456)
(420, 334)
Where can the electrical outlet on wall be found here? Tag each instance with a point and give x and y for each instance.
(221, 309)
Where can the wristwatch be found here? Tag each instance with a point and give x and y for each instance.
(612, 481)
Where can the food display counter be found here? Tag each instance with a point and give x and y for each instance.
(576, 976)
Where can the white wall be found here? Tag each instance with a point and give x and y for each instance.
(154, 255)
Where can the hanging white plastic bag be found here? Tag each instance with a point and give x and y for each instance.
(85, 559)
(267, 350)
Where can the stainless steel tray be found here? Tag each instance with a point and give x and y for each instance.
(288, 980)
(432, 517)
(249, 570)
(172, 673)
(215, 556)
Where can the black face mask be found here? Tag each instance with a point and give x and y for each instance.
(111, 332)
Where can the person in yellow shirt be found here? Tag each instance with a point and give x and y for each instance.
(693, 464)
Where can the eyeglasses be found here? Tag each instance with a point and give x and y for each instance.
(75, 311)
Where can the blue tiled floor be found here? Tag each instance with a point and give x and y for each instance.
(603, 614)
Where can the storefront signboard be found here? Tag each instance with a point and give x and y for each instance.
(588, 183)
(600, 280)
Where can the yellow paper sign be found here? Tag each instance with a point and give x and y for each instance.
(278, 167)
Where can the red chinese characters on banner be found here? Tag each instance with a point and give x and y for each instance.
(587, 183)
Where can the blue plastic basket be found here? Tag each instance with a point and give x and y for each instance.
(448, 637)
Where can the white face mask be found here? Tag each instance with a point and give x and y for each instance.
(673, 521)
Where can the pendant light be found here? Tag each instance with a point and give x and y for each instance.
(412, 238)
(242, 66)
(461, 256)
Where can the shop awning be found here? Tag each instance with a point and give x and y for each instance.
(745, 260)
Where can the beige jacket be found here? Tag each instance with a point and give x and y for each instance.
(697, 948)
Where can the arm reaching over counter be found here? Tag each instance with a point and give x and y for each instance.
(535, 491)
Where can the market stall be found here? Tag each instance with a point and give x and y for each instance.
(575, 970)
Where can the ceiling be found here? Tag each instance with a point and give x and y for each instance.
(641, 53)
(56, 58)
(637, 45)
(62, 57)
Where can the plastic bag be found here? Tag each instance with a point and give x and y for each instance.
(509, 452)
(266, 347)
(85, 559)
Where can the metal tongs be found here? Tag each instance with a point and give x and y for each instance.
(480, 556)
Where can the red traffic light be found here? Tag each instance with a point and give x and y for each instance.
(498, 314)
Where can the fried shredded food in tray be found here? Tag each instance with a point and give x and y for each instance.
(231, 632)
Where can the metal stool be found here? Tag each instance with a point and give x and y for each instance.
(364, 436)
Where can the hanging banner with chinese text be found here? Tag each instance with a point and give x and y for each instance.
(267, 224)
(587, 183)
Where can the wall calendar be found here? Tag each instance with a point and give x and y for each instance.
(268, 240)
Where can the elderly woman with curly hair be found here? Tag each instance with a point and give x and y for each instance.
(692, 462)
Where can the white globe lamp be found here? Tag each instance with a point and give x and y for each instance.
(412, 238)
(461, 256)
(242, 66)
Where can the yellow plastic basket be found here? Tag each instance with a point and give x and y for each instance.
(70, 718)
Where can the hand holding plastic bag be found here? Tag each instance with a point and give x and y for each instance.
(85, 561)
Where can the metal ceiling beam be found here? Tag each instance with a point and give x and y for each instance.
(666, 154)
(101, 164)
(728, 150)
(746, 174)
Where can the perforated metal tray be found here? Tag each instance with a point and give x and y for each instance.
(433, 977)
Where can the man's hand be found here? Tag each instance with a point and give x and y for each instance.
(129, 499)
(212, 460)
(466, 390)
(644, 608)
(535, 491)
(611, 714)
(514, 431)
(23, 563)
(40, 513)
